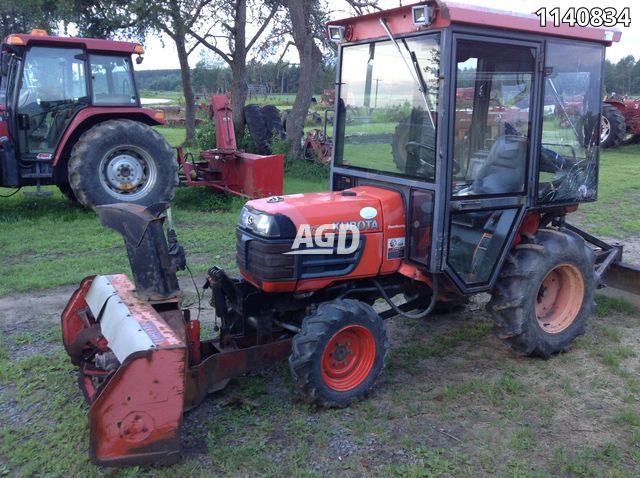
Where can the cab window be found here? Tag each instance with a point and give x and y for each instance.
(112, 80)
(387, 109)
(493, 107)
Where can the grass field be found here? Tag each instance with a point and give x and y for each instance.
(453, 400)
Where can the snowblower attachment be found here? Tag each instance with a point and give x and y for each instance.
(130, 344)
(141, 360)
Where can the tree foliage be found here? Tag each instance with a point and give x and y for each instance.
(622, 77)
(225, 34)
(19, 16)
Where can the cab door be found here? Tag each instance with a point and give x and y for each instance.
(490, 148)
(53, 88)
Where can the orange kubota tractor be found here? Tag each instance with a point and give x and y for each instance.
(70, 115)
(478, 203)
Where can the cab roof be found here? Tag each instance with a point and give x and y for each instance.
(89, 44)
(400, 21)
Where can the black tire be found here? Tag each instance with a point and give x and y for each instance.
(272, 119)
(67, 192)
(612, 127)
(399, 143)
(308, 348)
(557, 258)
(257, 128)
(115, 151)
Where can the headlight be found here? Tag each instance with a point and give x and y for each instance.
(259, 222)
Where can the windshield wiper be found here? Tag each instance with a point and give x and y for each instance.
(414, 69)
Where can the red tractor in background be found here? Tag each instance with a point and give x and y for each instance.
(620, 121)
(70, 115)
(478, 204)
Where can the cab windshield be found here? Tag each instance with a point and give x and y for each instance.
(386, 120)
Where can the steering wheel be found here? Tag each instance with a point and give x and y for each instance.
(415, 145)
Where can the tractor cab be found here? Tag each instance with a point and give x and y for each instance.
(476, 118)
(48, 80)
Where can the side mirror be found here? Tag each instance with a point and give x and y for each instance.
(139, 59)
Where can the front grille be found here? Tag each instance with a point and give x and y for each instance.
(263, 258)
(265, 261)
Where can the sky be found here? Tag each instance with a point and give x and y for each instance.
(159, 56)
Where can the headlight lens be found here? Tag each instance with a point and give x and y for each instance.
(259, 222)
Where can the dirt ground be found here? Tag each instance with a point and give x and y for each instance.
(452, 401)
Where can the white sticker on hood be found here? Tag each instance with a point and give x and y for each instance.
(368, 212)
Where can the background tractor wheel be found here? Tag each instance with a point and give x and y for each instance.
(399, 143)
(272, 119)
(122, 161)
(544, 295)
(339, 353)
(258, 128)
(612, 126)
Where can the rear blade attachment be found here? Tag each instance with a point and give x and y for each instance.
(609, 266)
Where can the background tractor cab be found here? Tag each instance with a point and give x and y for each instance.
(58, 96)
(461, 111)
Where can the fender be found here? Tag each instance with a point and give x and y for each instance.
(616, 103)
(90, 116)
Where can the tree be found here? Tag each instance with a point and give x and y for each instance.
(307, 19)
(304, 16)
(624, 69)
(176, 18)
(230, 17)
(18, 16)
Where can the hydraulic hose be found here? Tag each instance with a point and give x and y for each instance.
(421, 315)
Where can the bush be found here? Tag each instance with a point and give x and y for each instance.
(280, 146)
(245, 142)
(206, 135)
(305, 169)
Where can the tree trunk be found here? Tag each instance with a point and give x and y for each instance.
(239, 93)
(239, 88)
(189, 98)
(310, 57)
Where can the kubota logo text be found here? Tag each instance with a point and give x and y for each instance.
(340, 238)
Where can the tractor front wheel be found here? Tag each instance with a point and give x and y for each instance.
(122, 161)
(339, 353)
(545, 293)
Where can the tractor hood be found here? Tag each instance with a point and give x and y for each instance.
(360, 206)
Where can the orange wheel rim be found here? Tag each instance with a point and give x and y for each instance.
(348, 358)
(559, 298)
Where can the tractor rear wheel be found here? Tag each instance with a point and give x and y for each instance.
(257, 128)
(271, 115)
(544, 295)
(67, 192)
(399, 143)
(122, 161)
(612, 126)
(339, 353)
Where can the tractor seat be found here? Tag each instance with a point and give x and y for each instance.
(503, 170)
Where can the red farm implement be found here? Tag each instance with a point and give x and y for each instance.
(228, 170)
